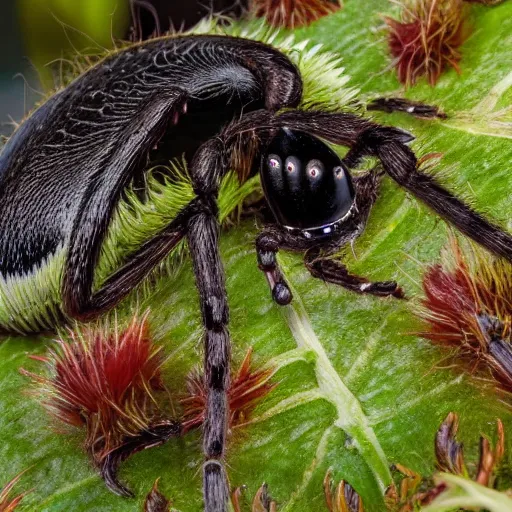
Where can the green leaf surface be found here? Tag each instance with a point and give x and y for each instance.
(463, 492)
(53, 27)
(356, 392)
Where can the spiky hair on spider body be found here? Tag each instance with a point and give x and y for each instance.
(468, 307)
(426, 39)
(105, 381)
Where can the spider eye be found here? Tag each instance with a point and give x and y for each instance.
(291, 164)
(274, 162)
(314, 169)
(339, 173)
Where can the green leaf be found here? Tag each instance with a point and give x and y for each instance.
(464, 493)
(356, 391)
(53, 29)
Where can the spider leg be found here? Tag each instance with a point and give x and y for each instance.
(155, 435)
(203, 238)
(367, 187)
(400, 163)
(267, 246)
(338, 127)
(320, 265)
(333, 271)
(414, 108)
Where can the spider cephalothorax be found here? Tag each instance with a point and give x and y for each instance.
(63, 173)
(306, 184)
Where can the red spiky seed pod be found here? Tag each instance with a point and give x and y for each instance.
(426, 39)
(10, 504)
(248, 387)
(105, 382)
(468, 306)
(294, 13)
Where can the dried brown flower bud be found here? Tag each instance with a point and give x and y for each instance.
(262, 501)
(156, 501)
(341, 498)
(449, 453)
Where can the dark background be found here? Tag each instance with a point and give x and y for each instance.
(12, 63)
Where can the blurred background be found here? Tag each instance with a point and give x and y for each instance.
(39, 38)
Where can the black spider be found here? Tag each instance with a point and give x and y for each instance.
(63, 172)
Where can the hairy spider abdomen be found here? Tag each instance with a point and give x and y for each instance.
(64, 170)
(69, 142)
